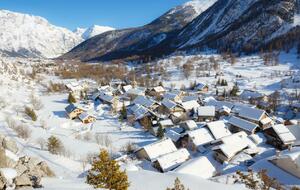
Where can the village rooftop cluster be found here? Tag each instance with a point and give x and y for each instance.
(196, 132)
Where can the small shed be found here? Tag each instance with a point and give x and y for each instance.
(86, 118)
(73, 111)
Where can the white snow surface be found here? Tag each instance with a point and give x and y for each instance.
(34, 36)
(200, 5)
(87, 33)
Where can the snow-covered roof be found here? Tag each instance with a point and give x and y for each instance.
(139, 111)
(248, 94)
(251, 113)
(84, 116)
(231, 149)
(189, 98)
(172, 160)
(106, 97)
(166, 122)
(74, 86)
(200, 86)
(158, 89)
(136, 91)
(206, 111)
(189, 105)
(266, 121)
(170, 96)
(144, 101)
(284, 133)
(168, 103)
(127, 88)
(201, 136)
(160, 148)
(190, 124)
(173, 135)
(218, 129)
(70, 108)
(201, 167)
(243, 124)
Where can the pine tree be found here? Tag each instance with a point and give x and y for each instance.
(160, 132)
(71, 98)
(177, 185)
(105, 173)
(123, 112)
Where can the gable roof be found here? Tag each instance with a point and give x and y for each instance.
(189, 98)
(70, 108)
(233, 144)
(248, 94)
(201, 167)
(206, 111)
(139, 111)
(200, 86)
(201, 136)
(284, 134)
(218, 129)
(168, 103)
(172, 134)
(126, 88)
(172, 160)
(84, 116)
(158, 89)
(243, 124)
(190, 124)
(159, 148)
(251, 113)
(144, 101)
(189, 105)
(106, 97)
(136, 91)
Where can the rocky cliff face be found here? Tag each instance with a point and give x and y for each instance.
(20, 172)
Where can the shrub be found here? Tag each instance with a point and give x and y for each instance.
(42, 143)
(31, 113)
(129, 148)
(105, 173)
(71, 98)
(36, 102)
(54, 145)
(56, 87)
(23, 132)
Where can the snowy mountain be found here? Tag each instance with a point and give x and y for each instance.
(130, 42)
(87, 33)
(32, 36)
(234, 25)
(238, 25)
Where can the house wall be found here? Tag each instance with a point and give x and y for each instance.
(142, 154)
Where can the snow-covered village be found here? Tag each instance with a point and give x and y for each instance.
(190, 101)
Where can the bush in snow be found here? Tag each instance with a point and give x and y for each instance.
(36, 102)
(71, 98)
(23, 132)
(31, 113)
(105, 173)
(129, 148)
(259, 180)
(3, 159)
(54, 145)
(42, 143)
(177, 185)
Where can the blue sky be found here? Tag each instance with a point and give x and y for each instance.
(83, 13)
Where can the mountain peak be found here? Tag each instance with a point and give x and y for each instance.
(199, 5)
